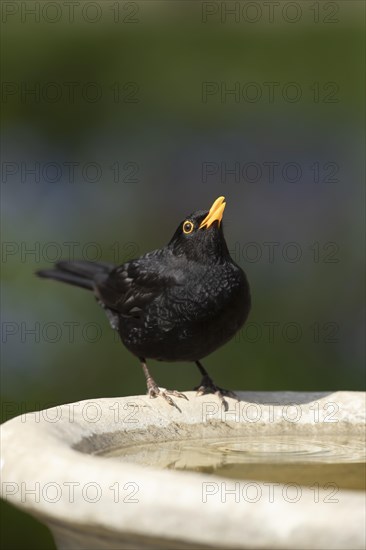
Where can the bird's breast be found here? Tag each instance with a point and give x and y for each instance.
(191, 320)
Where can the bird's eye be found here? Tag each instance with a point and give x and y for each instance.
(188, 227)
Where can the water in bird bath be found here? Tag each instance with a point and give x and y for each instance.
(337, 460)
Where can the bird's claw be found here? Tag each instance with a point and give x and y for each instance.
(176, 394)
(208, 386)
(155, 391)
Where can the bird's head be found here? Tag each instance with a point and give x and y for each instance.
(200, 235)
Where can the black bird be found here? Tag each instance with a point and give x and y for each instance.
(177, 303)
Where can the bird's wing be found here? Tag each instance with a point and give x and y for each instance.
(133, 285)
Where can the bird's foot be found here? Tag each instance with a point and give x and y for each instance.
(155, 391)
(208, 386)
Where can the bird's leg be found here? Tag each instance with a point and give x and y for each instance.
(208, 386)
(153, 389)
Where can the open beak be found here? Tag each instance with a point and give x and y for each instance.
(216, 212)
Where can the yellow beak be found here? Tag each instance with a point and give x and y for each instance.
(216, 212)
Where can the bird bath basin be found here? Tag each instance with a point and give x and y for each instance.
(338, 461)
(276, 470)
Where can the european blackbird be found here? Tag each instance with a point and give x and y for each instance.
(177, 303)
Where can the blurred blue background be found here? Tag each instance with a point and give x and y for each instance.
(118, 120)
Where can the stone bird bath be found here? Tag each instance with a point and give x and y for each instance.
(114, 473)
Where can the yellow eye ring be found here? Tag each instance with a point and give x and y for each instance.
(188, 227)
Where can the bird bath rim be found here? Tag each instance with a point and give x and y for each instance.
(65, 438)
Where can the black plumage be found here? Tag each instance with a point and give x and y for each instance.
(177, 303)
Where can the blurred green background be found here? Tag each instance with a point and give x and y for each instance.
(118, 119)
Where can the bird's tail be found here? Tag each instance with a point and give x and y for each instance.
(78, 273)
